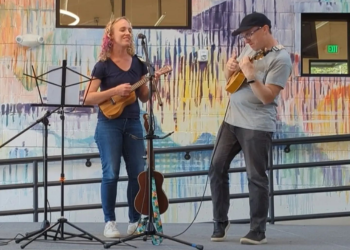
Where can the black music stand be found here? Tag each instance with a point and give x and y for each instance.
(150, 228)
(45, 121)
(46, 227)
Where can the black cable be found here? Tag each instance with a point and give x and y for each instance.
(206, 184)
(49, 210)
(4, 243)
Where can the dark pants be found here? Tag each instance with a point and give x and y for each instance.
(255, 145)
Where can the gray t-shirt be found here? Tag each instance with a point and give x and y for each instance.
(245, 109)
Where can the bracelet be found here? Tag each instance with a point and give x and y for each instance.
(250, 81)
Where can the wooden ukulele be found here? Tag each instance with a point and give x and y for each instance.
(114, 106)
(142, 198)
(237, 79)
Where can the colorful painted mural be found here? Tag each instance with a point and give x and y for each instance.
(194, 106)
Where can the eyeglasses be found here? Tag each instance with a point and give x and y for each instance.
(249, 35)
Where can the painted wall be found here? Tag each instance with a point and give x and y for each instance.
(194, 106)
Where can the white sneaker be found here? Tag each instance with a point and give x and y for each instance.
(132, 228)
(111, 230)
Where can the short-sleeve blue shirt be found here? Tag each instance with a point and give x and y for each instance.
(111, 76)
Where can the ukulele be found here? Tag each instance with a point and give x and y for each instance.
(237, 79)
(114, 106)
(142, 198)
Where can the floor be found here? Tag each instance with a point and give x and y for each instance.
(313, 234)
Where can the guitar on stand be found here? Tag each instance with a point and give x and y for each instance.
(160, 201)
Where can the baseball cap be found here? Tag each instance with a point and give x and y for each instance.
(254, 19)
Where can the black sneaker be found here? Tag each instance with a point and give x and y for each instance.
(220, 230)
(254, 238)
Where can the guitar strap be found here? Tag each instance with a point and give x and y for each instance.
(278, 47)
(275, 48)
(156, 240)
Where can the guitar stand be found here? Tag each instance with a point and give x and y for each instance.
(150, 230)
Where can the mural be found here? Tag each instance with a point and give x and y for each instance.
(194, 106)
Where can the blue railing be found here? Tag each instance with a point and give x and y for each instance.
(287, 143)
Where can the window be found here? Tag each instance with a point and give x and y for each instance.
(324, 44)
(142, 13)
(322, 67)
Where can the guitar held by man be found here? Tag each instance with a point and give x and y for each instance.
(237, 78)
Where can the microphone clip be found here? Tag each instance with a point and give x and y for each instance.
(141, 36)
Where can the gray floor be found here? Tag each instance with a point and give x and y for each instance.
(280, 236)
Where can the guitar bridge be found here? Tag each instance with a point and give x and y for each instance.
(112, 101)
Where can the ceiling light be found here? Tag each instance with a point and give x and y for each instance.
(68, 13)
(320, 24)
(159, 20)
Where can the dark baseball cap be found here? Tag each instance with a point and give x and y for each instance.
(254, 19)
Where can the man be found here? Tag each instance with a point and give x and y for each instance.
(248, 125)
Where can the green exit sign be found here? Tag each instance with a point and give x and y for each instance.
(332, 48)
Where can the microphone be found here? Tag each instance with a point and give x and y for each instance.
(141, 36)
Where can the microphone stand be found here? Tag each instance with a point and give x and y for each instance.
(150, 229)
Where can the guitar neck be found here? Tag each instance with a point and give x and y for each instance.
(139, 83)
(150, 155)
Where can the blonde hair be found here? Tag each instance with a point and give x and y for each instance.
(107, 43)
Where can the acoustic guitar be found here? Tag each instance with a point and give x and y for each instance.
(114, 106)
(142, 198)
(237, 79)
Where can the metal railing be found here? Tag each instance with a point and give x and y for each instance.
(287, 142)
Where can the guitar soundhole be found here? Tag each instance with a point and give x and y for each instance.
(112, 101)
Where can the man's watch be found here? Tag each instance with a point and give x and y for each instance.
(250, 81)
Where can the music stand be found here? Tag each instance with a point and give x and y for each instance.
(45, 121)
(150, 229)
(60, 109)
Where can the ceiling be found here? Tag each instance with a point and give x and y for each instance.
(140, 12)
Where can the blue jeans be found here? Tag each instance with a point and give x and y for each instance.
(114, 141)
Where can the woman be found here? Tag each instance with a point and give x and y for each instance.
(117, 69)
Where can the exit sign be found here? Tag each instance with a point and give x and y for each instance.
(332, 48)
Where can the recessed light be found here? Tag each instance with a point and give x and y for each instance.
(71, 14)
